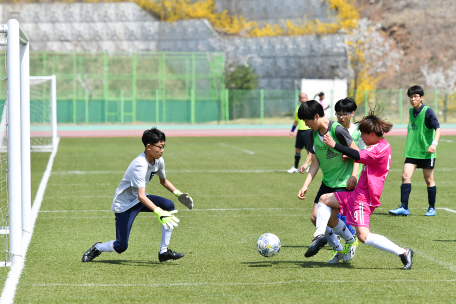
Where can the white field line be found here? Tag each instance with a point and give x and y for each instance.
(207, 171)
(233, 283)
(237, 148)
(447, 209)
(9, 290)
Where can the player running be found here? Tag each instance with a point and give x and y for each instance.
(131, 198)
(359, 204)
(337, 174)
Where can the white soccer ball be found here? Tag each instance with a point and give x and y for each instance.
(268, 245)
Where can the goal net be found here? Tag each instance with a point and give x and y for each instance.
(4, 225)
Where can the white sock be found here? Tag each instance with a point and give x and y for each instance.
(323, 215)
(342, 230)
(165, 238)
(380, 242)
(332, 239)
(106, 247)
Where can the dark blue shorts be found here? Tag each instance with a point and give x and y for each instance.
(302, 138)
(124, 220)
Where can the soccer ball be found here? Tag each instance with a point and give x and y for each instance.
(268, 245)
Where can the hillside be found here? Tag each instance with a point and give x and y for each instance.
(423, 29)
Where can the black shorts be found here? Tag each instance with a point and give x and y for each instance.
(421, 163)
(302, 138)
(325, 189)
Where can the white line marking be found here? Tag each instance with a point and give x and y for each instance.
(446, 140)
(237, 148)
(194, 210)
(446, 209)
(9, 290)
(207, 171)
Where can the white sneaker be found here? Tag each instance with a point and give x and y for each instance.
(337, 256)
(293, 170)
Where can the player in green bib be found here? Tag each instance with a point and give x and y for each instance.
(302, 136)
(423, 134)
(337, 174)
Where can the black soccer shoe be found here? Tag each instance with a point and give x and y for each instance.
(317, 243)
(92, 253)
(406, 259)
(169, 255)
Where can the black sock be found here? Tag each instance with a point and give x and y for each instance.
(432, 193)
(405, 193)
(297, 158)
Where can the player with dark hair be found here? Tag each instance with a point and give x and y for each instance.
(302, 136)
(131, 198)
(345, 110)
(361, 203)
(420, 150)
(337, 174)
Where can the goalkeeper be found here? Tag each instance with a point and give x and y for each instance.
(131, 198)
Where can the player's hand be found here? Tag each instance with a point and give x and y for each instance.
(351, 182)
(302, 193)
(167, 218)
(432, 149)
(328, 140)
(344, 157)
(291, 134)
(184, 198)
(303, 168)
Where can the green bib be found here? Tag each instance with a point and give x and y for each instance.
(419, 137)
(335, 171)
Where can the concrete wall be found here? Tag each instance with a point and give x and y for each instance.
(125, 27)
(274, 11)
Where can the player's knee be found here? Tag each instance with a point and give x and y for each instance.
(168, 205)
(361, 237)
(325, 198)
(406, 178)
(120, 247)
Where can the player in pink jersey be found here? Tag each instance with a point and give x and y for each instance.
(359, 204)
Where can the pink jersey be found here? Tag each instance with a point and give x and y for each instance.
(376, 160)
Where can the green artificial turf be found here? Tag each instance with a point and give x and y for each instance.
(241, 190)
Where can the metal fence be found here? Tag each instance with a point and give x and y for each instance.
(166, 87)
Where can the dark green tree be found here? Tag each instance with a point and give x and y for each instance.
(241, 77)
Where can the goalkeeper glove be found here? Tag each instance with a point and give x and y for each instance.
(167, 218)
(184, 198)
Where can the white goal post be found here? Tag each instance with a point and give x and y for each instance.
(18, 138)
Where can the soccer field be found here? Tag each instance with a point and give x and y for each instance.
(241, 190)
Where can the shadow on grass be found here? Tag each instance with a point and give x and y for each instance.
(444, 240)
(303, 264)
(136, 263)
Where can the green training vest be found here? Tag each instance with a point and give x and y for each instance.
(419, 137)
(335, 171)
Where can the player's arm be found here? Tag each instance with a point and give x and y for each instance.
(293, 128)
(184, 198)
(166, 218)
(349, 151)
(353, 180)
(435, 142)
(314, 166)
(306, 163)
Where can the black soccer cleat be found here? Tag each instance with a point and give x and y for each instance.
(92, 253)
(406, 259)
(317, 243)
(169, 255)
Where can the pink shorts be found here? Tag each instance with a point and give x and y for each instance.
(355, 207)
